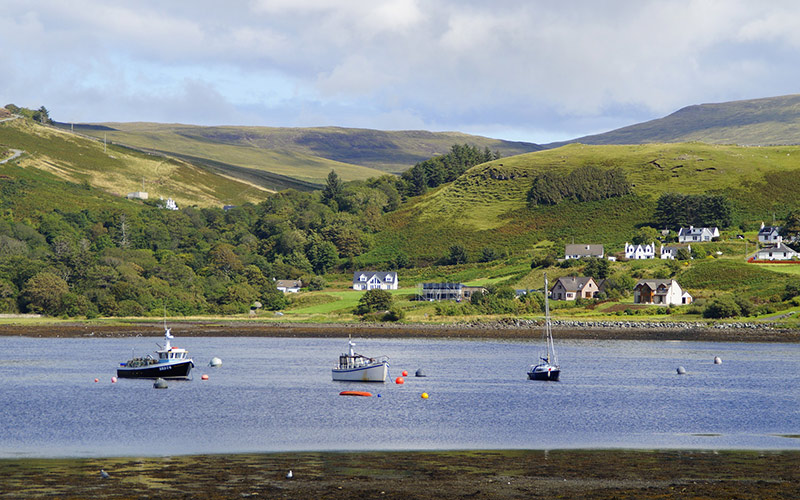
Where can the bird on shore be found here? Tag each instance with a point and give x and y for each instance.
(289, 475)
(104, 474)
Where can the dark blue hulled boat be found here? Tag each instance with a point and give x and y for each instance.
(170, 362)
(549, 368)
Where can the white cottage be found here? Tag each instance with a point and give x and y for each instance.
(579, 251)
(639, 252)
(778, 251)
(693, 234)
(671, 252)
(368, 280)
(769, 234)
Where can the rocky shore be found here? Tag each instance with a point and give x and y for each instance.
(503, 329)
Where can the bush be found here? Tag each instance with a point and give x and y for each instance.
(722, 307)
(394, 314)
(317, 283)
(374, 300)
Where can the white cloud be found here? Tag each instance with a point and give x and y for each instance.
(520, 67)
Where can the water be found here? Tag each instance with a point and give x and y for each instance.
(276, 394)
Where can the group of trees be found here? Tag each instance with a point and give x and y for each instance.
(445, 168)
(586, 183)
(675, 210)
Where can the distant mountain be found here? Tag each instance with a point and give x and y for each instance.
(305, 154)
(767, 121)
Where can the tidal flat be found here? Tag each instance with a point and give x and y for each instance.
(508, 474)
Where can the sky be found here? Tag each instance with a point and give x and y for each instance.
(535, 71)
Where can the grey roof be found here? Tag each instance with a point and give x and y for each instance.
(768, 230)
(655, 283)
(573, 283)
(695, 231)
(777, 247)
(289, 283)
(583, 249)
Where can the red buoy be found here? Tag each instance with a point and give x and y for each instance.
(405, 373)
(399, 380)
(96, 380)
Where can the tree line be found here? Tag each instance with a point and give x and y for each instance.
(587, 183)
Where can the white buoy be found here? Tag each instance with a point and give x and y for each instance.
(160, 383)
(104, 474)
(289, 475)
(215, 361)
(420, 373)
(717, 360)
(681, 370)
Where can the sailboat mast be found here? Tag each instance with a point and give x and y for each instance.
(551, 348)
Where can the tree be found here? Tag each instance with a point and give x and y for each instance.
(374, 300)
(722, 307)
(333, 189)
(44, 293)
(488, 254)
(597, 268)
(645, 235)
(323, 256)
(457, 255)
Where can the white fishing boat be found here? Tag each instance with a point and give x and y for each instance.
(548, 369)
(356, 367)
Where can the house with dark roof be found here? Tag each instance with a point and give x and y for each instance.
(671, 252)
(769, 234)
(579, 251)
(574, 287)
(660, 291)
(693, 234)
(369, 280)
(778, 251)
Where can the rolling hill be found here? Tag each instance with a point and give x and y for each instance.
(767, 121)
(63, 170)
(487, 205)
(305, 154)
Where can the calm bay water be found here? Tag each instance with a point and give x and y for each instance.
(276, 394)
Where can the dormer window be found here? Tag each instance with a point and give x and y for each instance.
(389, 278)
(362, 278)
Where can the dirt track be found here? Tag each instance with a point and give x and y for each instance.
(491, 331)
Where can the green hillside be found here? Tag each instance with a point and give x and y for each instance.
(307, 154)
(767, 121)
(54, 162)
(487, 205)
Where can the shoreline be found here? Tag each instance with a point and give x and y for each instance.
(496, 330)
(481, 474)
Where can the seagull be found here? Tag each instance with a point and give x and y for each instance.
(104, 474)
(289, 475)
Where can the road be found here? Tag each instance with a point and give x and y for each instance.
(16, 154)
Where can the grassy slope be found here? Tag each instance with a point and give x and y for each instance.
(772, 120)
(117, 171)
(486, 206)
(304, 153)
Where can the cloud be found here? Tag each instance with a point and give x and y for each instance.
(527, 69)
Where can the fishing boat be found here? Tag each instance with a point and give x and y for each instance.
(359, 368)
(170, 362)
(549, 368)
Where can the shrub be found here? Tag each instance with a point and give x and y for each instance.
(722, 307)
(374, 300)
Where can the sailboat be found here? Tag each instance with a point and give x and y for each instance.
(549, 368)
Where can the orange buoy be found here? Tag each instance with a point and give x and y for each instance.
(355, 393)
(399, 380)
(204, 377)
(405, 373)
(96, 380)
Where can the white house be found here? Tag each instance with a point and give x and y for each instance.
(664, 292)
(289, 286)
(639, 252)
(578, 251)
(367, 280)
(769, 234)
(137, 195)
(693, 234)
(672, 251)
(778, 251)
